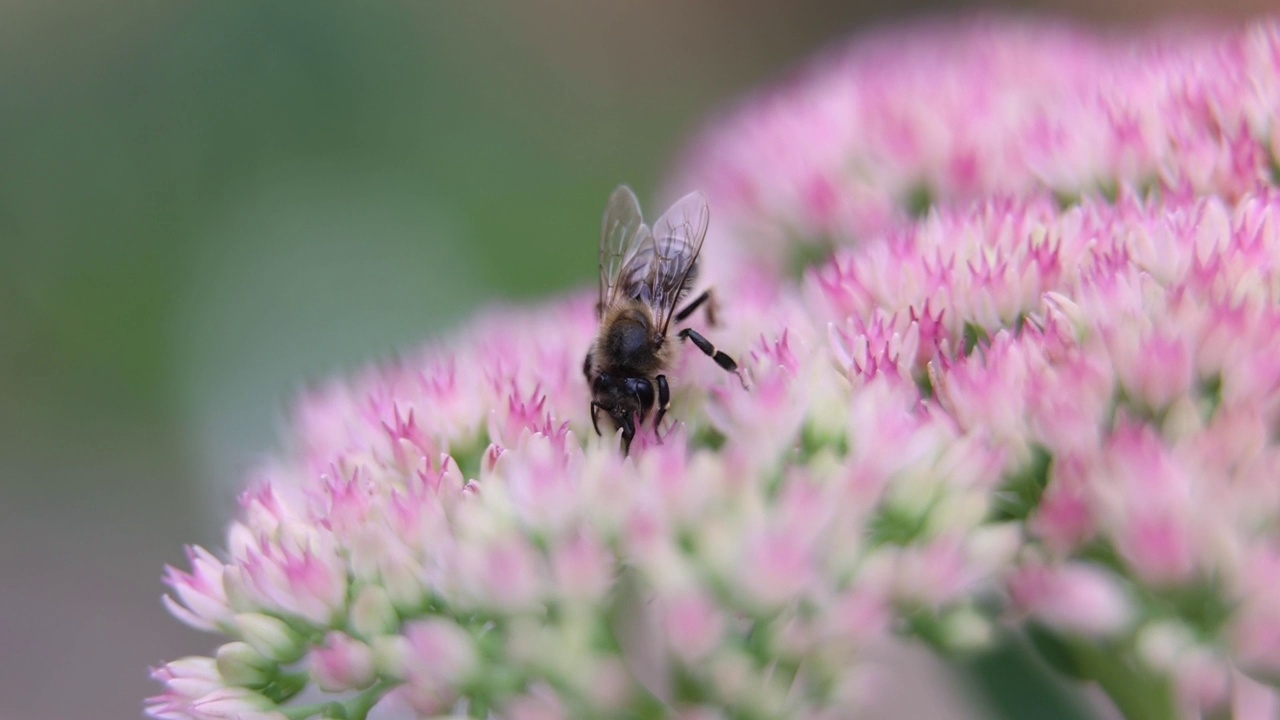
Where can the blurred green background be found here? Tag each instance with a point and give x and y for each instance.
(205, 204)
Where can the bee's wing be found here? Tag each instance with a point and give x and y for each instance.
(677, 240)
(622, 235)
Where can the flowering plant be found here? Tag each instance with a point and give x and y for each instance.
(1032, 385)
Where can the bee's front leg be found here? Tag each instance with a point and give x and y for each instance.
(595, 417)
(664, 402)
(628, 433)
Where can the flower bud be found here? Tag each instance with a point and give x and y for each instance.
(241, 665)
(372, 613)
(269, 636)
(965, 629)
(342, 663)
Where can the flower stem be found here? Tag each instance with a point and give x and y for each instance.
(1138, 693)
(357, 708)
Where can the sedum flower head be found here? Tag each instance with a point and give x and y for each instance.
(883, 129)
(1050, 403)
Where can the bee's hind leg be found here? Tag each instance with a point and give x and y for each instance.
(722, 359)
(706, 298)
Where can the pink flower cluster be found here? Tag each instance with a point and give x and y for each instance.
(1009, 413)
(870, 134)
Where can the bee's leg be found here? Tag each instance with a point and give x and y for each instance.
(722, 359)
(705, 298)
(664, 402)
(595, 416)
(628, 433)
(644, 395)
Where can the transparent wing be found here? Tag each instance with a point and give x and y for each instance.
(670, 257)
(622, 234)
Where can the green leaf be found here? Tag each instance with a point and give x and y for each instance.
(896, 526)
(1055, 652)
(1013, 684)
(807, 252)
(285, 687)
(1211, 393)
(1020, 495)
(814, 440)
(707, 437)
(919, 200)
(469, 454)
(974, 335)
(1138, 693)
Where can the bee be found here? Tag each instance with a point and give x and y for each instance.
(644, 274)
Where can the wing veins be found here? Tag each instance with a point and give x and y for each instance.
(622, 235)
(654, 266)
(678, 237)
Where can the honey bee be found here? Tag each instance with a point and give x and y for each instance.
(644, 274)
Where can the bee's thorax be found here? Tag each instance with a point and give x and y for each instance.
(629, 343)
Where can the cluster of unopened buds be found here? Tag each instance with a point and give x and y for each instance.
(1026, 380)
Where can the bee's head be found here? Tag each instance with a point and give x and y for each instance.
(624, 399)
(616, 396)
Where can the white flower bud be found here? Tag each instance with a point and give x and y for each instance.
(241, 665)
(269, 636)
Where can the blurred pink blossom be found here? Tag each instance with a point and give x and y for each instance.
(1074, 597)
(342, 663)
